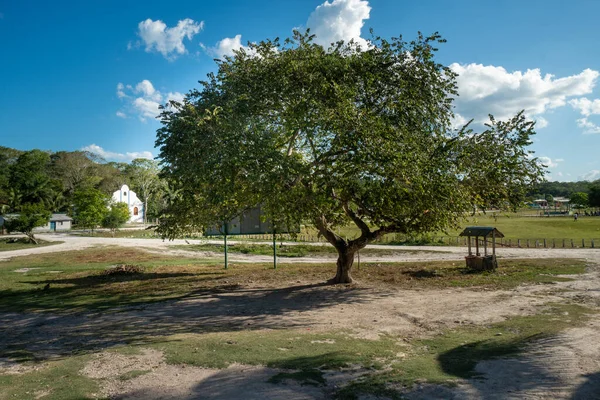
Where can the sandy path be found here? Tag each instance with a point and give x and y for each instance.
(566, 366)
(406, 253)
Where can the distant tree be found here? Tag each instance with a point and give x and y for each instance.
(89, 207)
(111, 177)
(76, 170)
(579, 200)
(550, 199)
(335, 136)
(557, 189)
(8, 157)
(116, 216)
(30, 217)
(144, 178)
(594, 196)
(29, 176)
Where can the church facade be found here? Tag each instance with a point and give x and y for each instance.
(136, 206)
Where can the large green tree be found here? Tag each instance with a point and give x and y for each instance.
(579, 199)
(336, 136)
(116, 216)
(90, 206)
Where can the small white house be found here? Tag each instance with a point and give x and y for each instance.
(136, 207)
(58, 222)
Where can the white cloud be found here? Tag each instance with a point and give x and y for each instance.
(548, 162)
(226, 46)
(493, 90)
(339, 20)
(588, 126)
(585, 106)
(146, 88)
(590, 176)
(144, 99)
(541, 122)
(110, 155)
(175, 96)
(167, 41)
(147, 108)
(120, 92)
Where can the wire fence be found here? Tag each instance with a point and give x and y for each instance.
(545, 243)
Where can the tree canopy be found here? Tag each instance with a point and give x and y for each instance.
(90, 206)
(115, 216)
(336, 136)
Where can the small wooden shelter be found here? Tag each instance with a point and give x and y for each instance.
(476, 261)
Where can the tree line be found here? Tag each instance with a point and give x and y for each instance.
(78, 183)
(581, 193)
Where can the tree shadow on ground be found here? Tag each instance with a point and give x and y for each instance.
(541, 370)
(234, 383)
(40, 336)
(98, 280)
(590, 389)
(95, 292)
(422, 273)
(461, 361)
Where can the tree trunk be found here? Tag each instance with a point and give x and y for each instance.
(344, 266)
(32, 238)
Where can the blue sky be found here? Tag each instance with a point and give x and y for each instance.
(89, 75)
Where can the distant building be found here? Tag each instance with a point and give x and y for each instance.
(58, 222)
(136, 207)
(558, 203)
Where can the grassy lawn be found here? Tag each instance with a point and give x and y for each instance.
(513, 226)
(7, 244)
(76, 279)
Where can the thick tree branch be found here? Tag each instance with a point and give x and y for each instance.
(328, 234)
(364, 228)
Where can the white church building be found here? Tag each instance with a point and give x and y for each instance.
(136, 207)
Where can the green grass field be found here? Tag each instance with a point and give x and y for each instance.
(7, 244)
